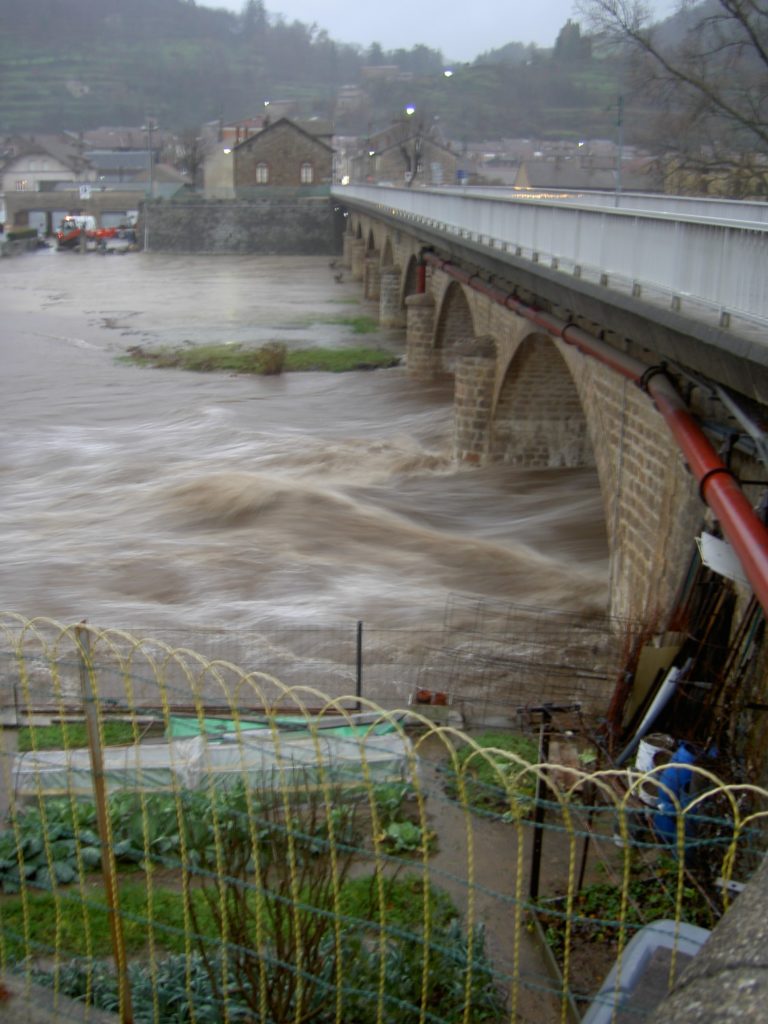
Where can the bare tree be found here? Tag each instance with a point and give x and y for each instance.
(192, 149)
(706, 70)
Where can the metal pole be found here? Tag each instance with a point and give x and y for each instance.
(90, 709)
(359, 681)
(620, 152)
(590, 794)
(151, 189)
(151, 162)
(538, 819)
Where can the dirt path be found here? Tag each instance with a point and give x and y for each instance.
(476, 862)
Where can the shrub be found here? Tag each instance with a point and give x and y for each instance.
(270, 358)
(398, 832)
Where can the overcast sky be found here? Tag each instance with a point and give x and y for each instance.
(462, 29)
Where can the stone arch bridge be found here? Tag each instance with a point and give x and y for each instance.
(515, 320)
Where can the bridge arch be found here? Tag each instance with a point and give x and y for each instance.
(455, 328)
(538, 416)
(409, 284)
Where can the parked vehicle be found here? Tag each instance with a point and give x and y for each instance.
(74, 225)
(123, 239)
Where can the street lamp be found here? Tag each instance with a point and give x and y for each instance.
(149, 127)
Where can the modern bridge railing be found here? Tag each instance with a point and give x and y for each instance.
(698, 264)
(649, 202)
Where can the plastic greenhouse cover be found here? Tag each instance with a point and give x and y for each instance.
(260, 757)
(179, 726)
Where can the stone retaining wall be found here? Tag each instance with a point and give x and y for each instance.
(291, 226)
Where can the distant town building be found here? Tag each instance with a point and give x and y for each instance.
(404, 153)
(350, 98)
(384, 73)
(639, 175)
(35, 163)
(281, 154)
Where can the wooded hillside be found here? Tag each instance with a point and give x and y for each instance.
(75, 64)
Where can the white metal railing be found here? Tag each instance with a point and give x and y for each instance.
(700, 256)
(686, 206)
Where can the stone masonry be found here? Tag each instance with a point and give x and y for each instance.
(372, 275)
(391, 312)
(473, 401)
(282, 150)
(422, 359)
(286, 226)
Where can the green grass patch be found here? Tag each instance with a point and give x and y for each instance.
(490, 780)
(71, 734)
(75, 920)
(272, 358)
(403, 900)
(268, 359)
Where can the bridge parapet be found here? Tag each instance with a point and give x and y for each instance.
(712, 264)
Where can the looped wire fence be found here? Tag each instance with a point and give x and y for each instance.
(185, 840)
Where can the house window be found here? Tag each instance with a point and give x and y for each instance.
(307, 174)
(262, 174)
(22, 185)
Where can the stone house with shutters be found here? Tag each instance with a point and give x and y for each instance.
(283, 154)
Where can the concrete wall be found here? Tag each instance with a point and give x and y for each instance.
(286, 226)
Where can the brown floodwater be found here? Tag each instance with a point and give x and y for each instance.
(133, 495)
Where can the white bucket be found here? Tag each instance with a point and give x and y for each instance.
(646, 760)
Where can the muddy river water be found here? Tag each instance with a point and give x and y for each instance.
(134, 496)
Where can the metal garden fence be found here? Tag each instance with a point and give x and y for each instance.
(185, 839)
